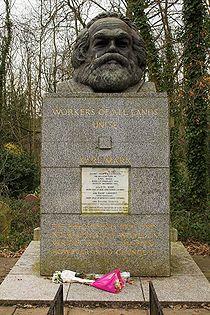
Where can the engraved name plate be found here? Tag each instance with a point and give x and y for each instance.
(105, 190)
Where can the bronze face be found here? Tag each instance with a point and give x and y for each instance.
(110, 35)
(111, 63)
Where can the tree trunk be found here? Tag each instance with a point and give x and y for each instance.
(6, 41)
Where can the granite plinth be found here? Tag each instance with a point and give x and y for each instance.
(131, 228)
(100, 243)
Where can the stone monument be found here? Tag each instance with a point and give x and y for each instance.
(105, 160)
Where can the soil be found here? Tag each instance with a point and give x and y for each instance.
(6, 264)
(197, 248)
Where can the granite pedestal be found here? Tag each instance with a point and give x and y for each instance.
(105, 183)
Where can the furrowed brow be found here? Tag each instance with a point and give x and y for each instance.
(123, 36)
(100, 36)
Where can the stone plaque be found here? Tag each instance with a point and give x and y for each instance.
(105, 190)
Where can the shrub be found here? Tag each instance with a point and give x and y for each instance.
(192, 225)
(25, 216)
(19, 174)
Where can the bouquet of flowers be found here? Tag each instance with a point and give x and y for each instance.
(111, 282)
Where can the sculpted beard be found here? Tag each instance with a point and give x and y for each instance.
(111, 72)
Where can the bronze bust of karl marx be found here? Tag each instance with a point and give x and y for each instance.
(108, 56)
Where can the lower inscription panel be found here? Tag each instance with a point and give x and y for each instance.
(100, 243)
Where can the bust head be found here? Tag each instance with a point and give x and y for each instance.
(109, 55)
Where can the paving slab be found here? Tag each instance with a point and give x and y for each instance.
(35, 311)
(24, 284)
(196, 311)
(31, 311)
(182, 289)
(186, 285)
(131, 293)
(28, 289)
(181, 261)
(9, 310)
(105, 311)
(29, 262)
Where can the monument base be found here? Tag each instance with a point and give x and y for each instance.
(24, 285)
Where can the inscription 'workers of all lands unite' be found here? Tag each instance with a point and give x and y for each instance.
(104, 112)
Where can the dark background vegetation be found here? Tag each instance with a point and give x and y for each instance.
(34, 56)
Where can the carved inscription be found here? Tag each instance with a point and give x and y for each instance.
(92, 252)
(98, 114)
(132, 239)
(104, 190)
(99, 124)
(104, 112)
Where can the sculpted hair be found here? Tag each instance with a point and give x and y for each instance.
(81, 45)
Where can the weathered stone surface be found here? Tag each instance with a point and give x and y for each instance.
(29, 262)
(186, 285)
(107, 130)
(100, 243)
(173, 234)
(24, 284)
(27, 288)
(129, 294)
(37, 232)
(149, 190)
(61, 190)
(72, 126)
(181, 261)
(181, 289)
(105, 142)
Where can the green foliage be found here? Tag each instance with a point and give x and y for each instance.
(162, 71)
(25, 216)
(195, 88)
(179, 191)
(19, 174)
(190, 225)
(153, 60)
